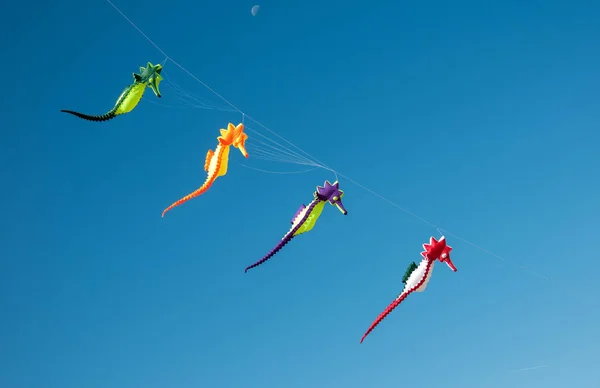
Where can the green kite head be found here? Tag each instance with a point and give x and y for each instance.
(150, 75)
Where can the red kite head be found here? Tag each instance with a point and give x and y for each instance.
(438, 250)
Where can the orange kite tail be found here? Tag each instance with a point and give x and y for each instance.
(207, 184)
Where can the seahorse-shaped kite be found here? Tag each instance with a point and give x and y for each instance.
(216, 161)
(417, 276)
(306, 217)
(130, 97)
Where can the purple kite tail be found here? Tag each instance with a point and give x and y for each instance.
(273, 251)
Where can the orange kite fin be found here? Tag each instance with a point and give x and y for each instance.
(209, 156)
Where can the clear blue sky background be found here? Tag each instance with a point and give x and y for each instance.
(481, 117)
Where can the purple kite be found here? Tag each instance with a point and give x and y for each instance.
(306, 216)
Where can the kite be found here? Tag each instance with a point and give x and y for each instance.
(216, 161)
(306, 216)
(131, 96)
(417, 276)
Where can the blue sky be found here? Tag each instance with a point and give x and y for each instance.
(481, 118)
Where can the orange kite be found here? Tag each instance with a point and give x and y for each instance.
(217, 160)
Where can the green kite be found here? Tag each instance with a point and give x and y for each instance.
(131, 96)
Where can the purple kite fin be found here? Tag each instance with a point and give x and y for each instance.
(297, 212)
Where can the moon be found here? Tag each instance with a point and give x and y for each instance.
(254, 10)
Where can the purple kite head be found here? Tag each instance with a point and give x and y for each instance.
(333, 194)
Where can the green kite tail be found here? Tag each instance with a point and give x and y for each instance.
(131, 96)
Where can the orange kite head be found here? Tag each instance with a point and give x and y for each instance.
(235, 136)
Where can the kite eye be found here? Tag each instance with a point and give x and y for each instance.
(444, 255)
(336, 198)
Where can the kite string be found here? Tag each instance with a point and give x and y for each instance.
(272, 150)
(190, 100)
(323, 165)
(168, 58)
(280, 172)
(205, 85)
(440, 230)
(141, 32)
